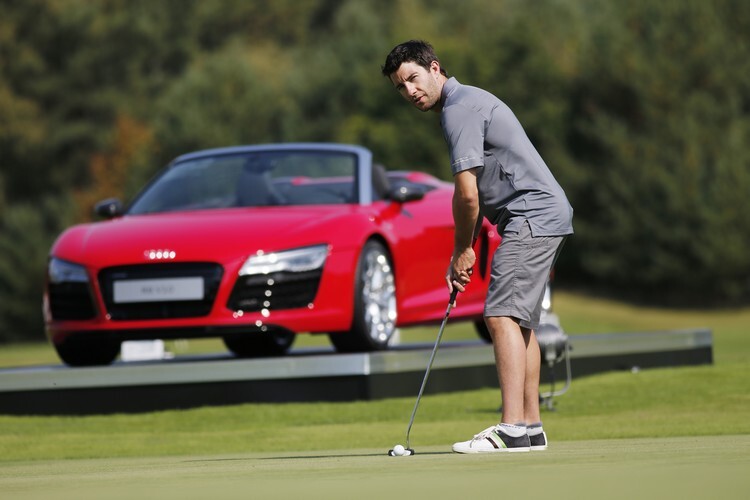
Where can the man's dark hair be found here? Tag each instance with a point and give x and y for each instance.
(416, 51)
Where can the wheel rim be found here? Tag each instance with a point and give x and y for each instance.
(379, 297)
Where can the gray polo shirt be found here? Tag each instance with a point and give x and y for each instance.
(514, 182)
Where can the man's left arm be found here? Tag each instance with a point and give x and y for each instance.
(465, 218)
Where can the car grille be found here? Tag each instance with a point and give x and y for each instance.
(211, 274)
(283, 290)
(71, 301)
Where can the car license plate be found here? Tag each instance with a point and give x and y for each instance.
(158, 290)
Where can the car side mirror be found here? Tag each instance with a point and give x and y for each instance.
(402, 194)
(109, 208)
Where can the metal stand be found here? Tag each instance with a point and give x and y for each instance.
(554, 346)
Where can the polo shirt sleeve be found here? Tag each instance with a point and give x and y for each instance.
(464, 132)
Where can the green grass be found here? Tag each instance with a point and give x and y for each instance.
(692, 401)
(709, 467)
(682, 432)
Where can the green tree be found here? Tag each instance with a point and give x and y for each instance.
(26, 233)
(233, 96)
(661, 113)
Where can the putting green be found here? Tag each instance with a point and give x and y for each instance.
(686, 467)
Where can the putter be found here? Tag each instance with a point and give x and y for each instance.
(398, 450)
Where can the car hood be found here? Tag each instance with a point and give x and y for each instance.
(211, 235)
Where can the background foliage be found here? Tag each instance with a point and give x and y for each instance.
(642, 110)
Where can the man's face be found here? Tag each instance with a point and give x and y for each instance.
(422, 87)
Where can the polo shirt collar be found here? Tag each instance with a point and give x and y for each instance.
(449, 87)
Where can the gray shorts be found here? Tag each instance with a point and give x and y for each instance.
(519, 274)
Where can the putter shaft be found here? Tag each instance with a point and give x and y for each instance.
(429, 364)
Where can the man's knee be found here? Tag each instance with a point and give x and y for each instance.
(502, 325)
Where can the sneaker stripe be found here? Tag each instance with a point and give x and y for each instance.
(497, 440)
(492, 442)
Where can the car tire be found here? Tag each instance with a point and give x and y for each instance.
(275, 342)
(75, 351)
(375, 308)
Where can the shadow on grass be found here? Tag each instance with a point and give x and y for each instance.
(350, 455)
(314, 457)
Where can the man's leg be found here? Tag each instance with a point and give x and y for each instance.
(511, 363)
(510, 358)
(517, 360)
(531, 384)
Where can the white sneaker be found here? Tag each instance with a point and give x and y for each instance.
(493, 440)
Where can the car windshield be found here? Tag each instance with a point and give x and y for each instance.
(257, 179)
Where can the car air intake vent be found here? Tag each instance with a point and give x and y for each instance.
(71, 301)
(156, 275)
(282, 290)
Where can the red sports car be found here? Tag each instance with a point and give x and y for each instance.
(255, 244)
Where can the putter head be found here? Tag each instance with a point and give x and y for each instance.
(407, 453)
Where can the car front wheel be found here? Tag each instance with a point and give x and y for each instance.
(375, 310)
(85, 351)
(274, 342)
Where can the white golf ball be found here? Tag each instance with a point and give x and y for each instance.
(398, 450)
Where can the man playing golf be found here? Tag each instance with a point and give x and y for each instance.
(498, 174)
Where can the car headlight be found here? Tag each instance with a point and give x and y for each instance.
(296, 261)
(60, 271)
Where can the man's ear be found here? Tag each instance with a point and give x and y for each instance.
(435, 67)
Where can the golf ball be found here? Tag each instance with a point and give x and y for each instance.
(398, 450)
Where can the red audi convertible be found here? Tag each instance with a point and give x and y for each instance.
(255, 244)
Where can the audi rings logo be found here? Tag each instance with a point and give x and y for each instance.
(160, 254)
